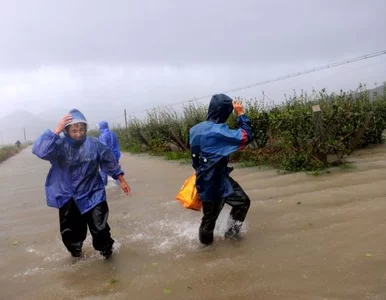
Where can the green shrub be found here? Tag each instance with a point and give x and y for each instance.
(284, 135)
(9, 151)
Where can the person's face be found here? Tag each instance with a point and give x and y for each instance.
(77, 131)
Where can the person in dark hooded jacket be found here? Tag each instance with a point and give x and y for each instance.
(211, 143)
(73, 184)
(110, 139)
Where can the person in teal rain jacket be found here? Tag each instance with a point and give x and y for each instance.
(110, 139)
(73, 184)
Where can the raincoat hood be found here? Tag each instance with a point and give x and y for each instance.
(109, 138)
(77, 117)
(103, 125)
(220, 108)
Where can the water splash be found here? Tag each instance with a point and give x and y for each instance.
(31, 250)
(29, 272)
(175, 233)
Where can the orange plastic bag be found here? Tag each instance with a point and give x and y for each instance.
(188, 195)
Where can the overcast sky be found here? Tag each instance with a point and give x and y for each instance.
(104, 56)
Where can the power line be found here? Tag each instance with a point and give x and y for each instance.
(280, 78)
(340, 72)
(333, 65)
(117, 117)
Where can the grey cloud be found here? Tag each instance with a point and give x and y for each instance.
(104, 56)
(172, 32)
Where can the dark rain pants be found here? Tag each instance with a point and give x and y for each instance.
(238, 200)
(73, 227)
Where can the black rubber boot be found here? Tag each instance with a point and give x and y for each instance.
(240, 203)
(205, 236)
(108, 251)
(76, 251)
(234, 228)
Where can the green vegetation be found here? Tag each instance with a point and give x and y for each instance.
(9, 151)
(285, 136)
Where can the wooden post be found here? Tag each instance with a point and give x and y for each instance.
(361, 132)
(125, 119)
(25, 136)
(319, 133)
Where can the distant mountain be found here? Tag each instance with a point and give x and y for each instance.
(12, 126)
(377, 91)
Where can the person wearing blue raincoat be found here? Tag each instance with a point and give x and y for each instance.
(110, 139)
(211, 144)
(73, 184)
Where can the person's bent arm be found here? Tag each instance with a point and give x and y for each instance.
(45, 147)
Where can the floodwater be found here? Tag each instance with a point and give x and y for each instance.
(306, 237)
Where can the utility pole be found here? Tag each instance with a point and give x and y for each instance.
(1, 134)
(125, 118)
(25, 136)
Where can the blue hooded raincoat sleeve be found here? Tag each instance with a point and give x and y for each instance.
(108, 162)
(47, 145)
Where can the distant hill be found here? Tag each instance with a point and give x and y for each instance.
(12, 126)
(377, 91)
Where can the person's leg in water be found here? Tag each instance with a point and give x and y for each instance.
(99, 228)
(240, 203)
(211, 211)
(73, 228)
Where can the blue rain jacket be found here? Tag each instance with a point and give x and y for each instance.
(211, 143)
(109, 138)
(74, 169)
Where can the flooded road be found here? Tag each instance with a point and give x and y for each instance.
(306, 237)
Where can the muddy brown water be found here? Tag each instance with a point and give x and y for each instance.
(306, 237)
